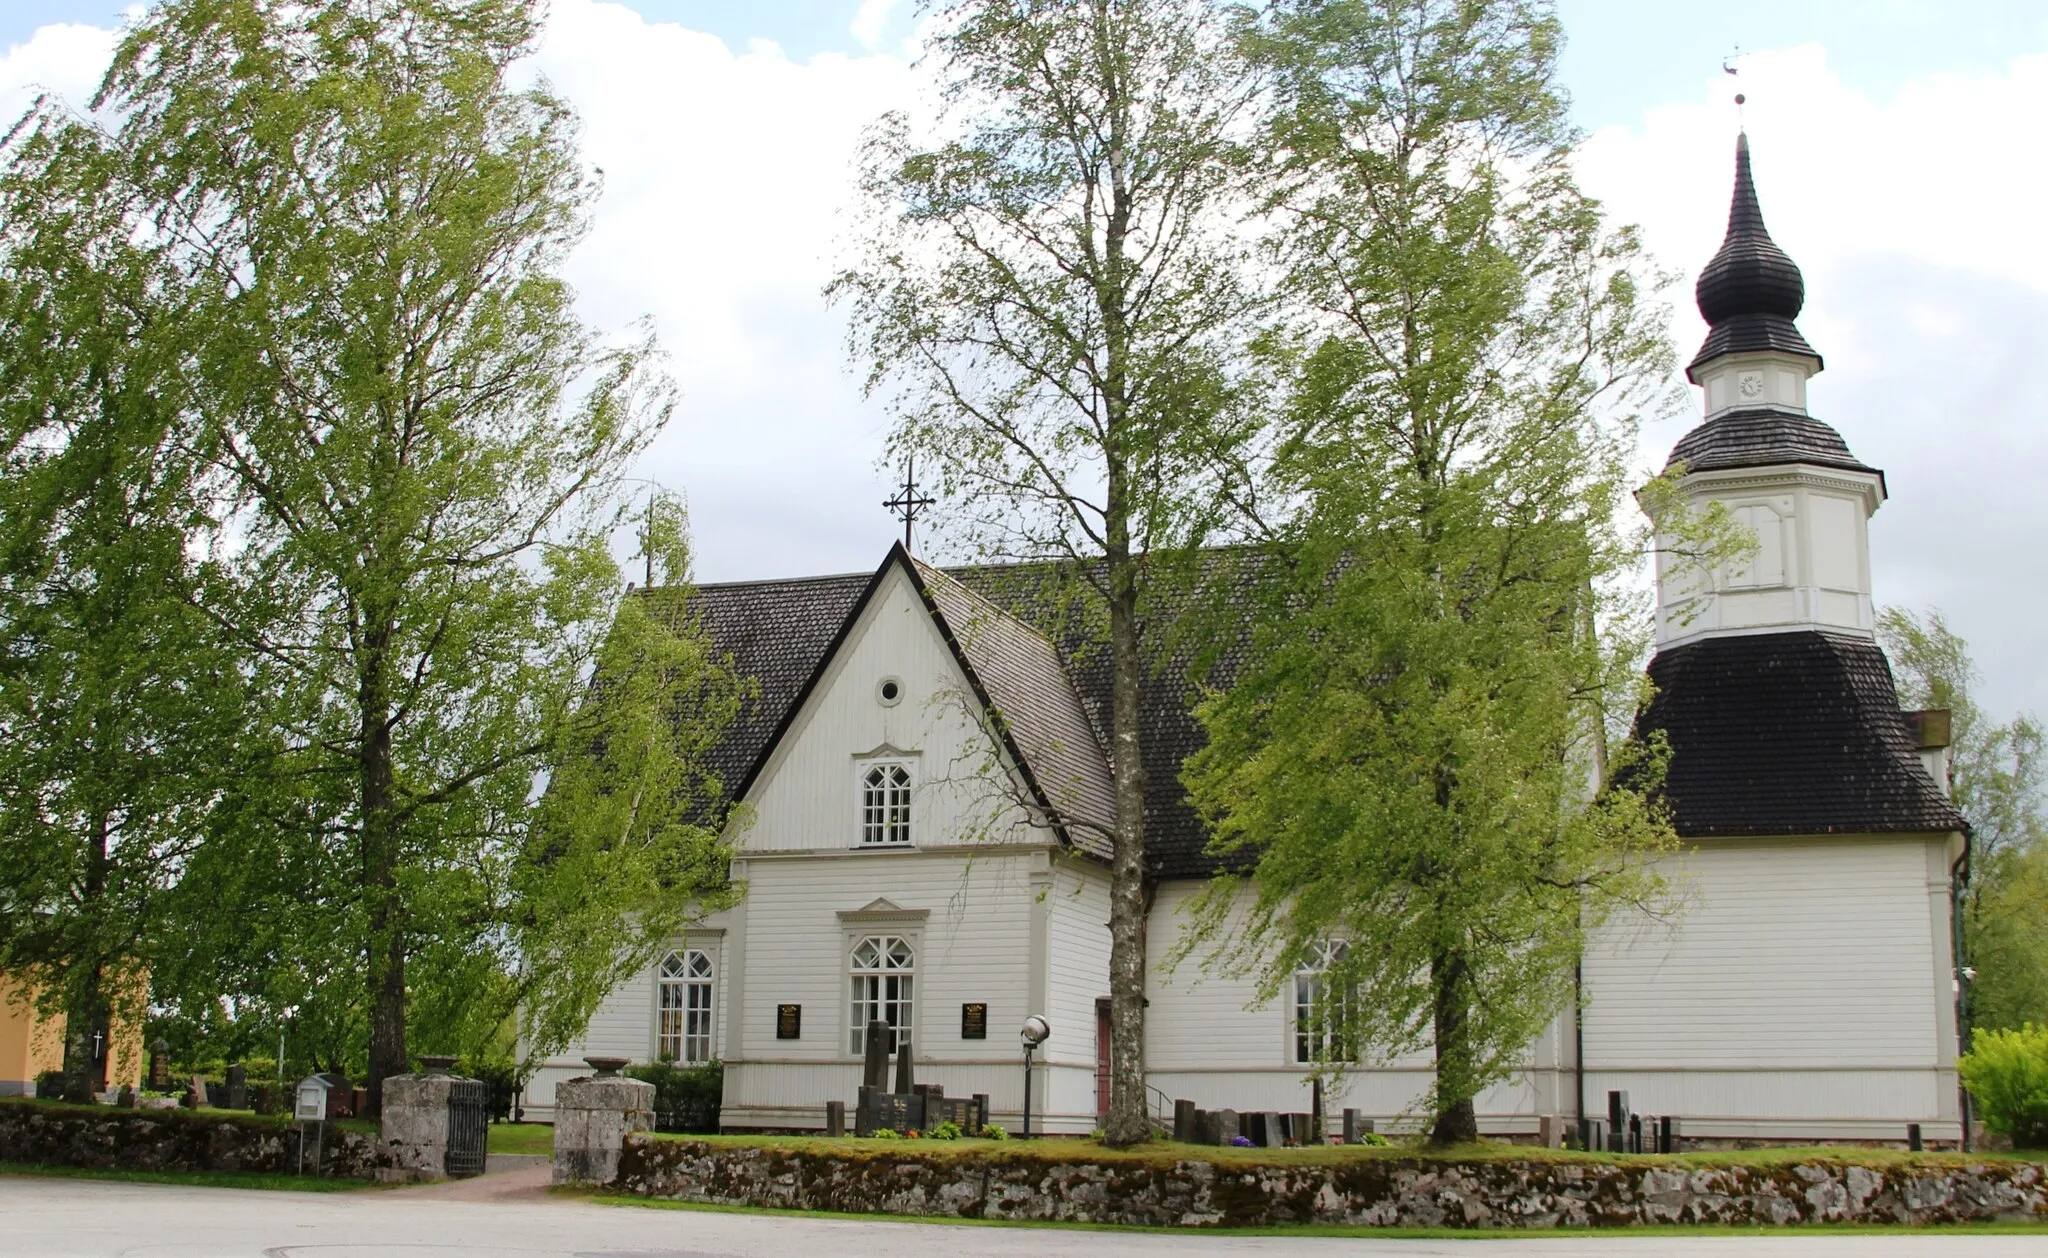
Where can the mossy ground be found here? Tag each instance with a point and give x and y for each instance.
(1313, 1230)
(522, 1138)
(200, 1179)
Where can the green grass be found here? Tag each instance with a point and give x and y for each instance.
(202, 1179)
(1166, 1151)
(522, 1138)
(1314, 1230)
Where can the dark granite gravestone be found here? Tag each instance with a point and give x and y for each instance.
(1301, 1129)
(126, 1098)
(966, 1113)
(1184, 1121)
(875, 1071)
(906, 1075)
(898, 1111)
(237, 1087)
(1667, 1134)
(160, 1065)
(1206, 1127)
(835, 1118)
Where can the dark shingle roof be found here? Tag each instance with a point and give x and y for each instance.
(1751, 291)
(783, 633)
(1023, 678)
(1788, 734)
(1758, 438)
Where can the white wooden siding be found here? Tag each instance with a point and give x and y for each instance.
(808, 797)
(1787, 953)
(1078, 961)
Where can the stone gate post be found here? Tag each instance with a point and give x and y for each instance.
(592, 1116)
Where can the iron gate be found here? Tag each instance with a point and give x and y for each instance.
(469, 1128)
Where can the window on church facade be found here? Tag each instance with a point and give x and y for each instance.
(884, 967)
(683, 1024)
(885, 805)
(1323, 1009)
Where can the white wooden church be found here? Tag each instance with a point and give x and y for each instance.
(894, 871)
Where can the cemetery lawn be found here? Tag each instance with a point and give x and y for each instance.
(522, 1138)
(199, 1179)
(1069, 1149)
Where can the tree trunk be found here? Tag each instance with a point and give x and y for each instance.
(88, 1030)
(385, 911)
(1128, 1123)
(1456, 1120)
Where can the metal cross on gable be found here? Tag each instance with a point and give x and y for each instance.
(908, 504)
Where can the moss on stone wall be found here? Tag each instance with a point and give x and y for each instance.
(98, 1137)
(1172, 1186)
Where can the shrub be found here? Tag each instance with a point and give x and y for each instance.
(994, 1131)
(1373, 1138)
(948, 1130)
(2007, 1073)
(686, 1098)
(887, 1133)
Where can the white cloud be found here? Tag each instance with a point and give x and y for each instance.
(870, 20)
(67, 59)
(729, 181)
(1915, 220)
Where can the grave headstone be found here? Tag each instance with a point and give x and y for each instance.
(1184, 1121)
(1913, 1139)
(835, 1118)
(875, 1073)
(1226, 1126)
(906, 1075)
(1352, 1131)
(1617, 1111)
(195, 1093)
(238, 1087)
(1205, 1127)
(1315, 1112)
(1635, 1133)
(1301, 1129)
(160, 1065)
(1667, 1134)
(980, 1111)
(126, 1098)
(1549, 1132)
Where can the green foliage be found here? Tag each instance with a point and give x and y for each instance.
(1051, 295)
(1997, 773)
(686, 1098)
(886, 1133)
(2007, 1073)
(948, 1130)
(1414, 757)
(994, 1131)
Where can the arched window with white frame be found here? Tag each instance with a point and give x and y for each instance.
(885, 804)
(884, 968)
(1324, 1008)
(683, 1030)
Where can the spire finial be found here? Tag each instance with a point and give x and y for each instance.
(908, 503)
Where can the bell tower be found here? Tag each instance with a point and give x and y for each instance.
(1786, 475)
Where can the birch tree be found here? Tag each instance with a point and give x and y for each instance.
(1403, 775)
(1051, 297)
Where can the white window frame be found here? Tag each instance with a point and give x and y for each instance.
(686, 1007)
(883, 813)
(1312, 1038)
(879, 987)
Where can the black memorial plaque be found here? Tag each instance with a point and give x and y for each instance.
(974, 1021)
(789, 1022)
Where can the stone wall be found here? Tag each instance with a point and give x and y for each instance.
(101, 1138)
(1383, 1190)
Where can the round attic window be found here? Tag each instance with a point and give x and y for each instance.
(890, 692)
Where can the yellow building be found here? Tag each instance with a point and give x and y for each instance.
(31, 1043)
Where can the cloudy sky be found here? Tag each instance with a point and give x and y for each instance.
(1901, 152)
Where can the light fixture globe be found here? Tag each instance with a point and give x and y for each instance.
(1035, 1031)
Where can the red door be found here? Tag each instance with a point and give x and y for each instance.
(1102, 1058)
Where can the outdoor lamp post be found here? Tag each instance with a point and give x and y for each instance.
(1034, 1033)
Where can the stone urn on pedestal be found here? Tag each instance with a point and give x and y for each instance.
(593, 1115)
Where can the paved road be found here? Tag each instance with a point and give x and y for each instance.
(69, 1218)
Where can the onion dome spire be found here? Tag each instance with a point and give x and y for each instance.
(1750, 292)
